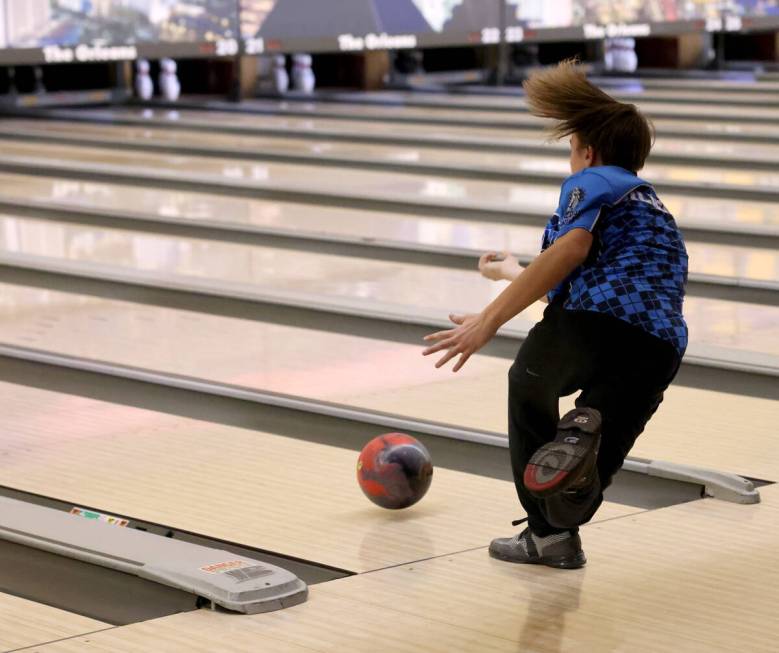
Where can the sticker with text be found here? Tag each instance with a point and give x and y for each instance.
(239, 570)
(99, 516)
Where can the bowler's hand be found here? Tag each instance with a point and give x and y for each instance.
(471, 334)
(498, 267)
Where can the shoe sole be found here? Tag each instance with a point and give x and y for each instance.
(554, 468)
(557, 562)
(558, 465)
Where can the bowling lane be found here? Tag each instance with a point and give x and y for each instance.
(555, 161)
(669, 98)
(252, 487)
(699, 148)
(745, 85)
(513, 98)
(288, 360)
(419, 189)
(223, 211)
(660, 603)
(436, 191)
(310, 364)
(716, 111)
(748, 264)
(733, 329)
(376, 128)
(26, 623)
(674, 434)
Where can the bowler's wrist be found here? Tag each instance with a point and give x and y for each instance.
(491, 318)
(509, 273)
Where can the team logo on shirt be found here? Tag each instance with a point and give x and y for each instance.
(648, 198)
(577, 195)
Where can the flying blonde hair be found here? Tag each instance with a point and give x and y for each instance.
(617, 131)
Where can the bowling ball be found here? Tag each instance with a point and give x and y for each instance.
(394, 470)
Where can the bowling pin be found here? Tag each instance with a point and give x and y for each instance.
(280, 75)
(617, 54)
(625, 59)
(303, 74)
(264, 74)
(39, 86)
(144, 88)
(170, 87)
(608, 57)
(631, 58)
(12, 90)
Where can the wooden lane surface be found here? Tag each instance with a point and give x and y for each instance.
(740, 177)
(225, 212)
(555, 159)
(379, 129)
(684, 579)
(740, 432)
(26, 623)
(396, 187)
(155, 130)
(737, 85)
(735, 330)
(49, 238)
(266, 491)
(436, 191)
(701, 428)
(666, 110)
(624, 92)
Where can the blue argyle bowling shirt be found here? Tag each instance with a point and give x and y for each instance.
(637, 267)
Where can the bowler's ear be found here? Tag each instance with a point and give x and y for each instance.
(589, 155)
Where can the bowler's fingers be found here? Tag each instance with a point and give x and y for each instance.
(444, 344)
(438, 335)
(487, 258)
(446, 358)
(463, 359)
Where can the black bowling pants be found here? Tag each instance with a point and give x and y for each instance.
(620, 370)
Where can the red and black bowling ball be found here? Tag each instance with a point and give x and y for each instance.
(394, 470)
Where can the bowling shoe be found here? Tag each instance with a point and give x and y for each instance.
(561, 550)
(568, 462)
